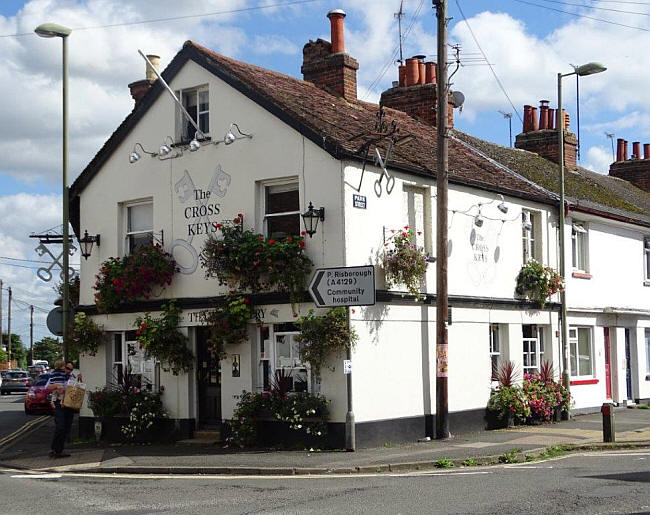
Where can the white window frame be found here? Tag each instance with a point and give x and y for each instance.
(293, 181)
(573, 351)
(181, 120)
(537, 353)
(495, 350)
(531, 238)
(646, 260)
(127, 233)
(126, 344)
(423, 240)
(580, 247)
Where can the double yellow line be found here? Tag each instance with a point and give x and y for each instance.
(23, 430)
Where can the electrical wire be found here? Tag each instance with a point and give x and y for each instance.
(581, 15)
(496, 77)
(595, 8)
(174, 18)
(32, 260)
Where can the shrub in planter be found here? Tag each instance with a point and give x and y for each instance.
(161, 338)
(324, 335)
(105, 402)
(86, 336)
(509, 401)
(126, 279)
(538, 282)
(539, 398)
(405, 263)
(145, 408)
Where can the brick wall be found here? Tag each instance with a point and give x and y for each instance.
(636, 171)
(545, 143)
(335, 73)
(418, 101)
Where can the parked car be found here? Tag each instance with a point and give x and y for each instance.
(15, 381)
(36, 370)
(38, 397)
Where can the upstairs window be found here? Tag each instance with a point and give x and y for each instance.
(580, 351)
(530, 236)
(196, 102)
(139, 225)
(281, 210)
(646, 260)
(579, 247)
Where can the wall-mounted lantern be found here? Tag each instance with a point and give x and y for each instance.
(86, 244)
(311, 218)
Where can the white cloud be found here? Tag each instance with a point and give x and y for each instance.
(598, 159)
(274, 45)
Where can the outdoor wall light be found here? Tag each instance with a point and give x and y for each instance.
(311, 218)
(194, 144)
(165, 148)
(230, 137)
(135, 156)
(478, 220)
(86, 244)
(502, 206)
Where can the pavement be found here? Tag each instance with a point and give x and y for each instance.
(29, 450)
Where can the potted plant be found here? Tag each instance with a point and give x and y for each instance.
(86, 336)
(228, 323)
(538, 282)
(507, 404)
(404, 262)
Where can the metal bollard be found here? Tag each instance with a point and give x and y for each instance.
(609, 431)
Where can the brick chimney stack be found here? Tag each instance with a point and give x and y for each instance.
(139, 88)
(415, 92)
(540, 134)
(327, 65)
(635, 168)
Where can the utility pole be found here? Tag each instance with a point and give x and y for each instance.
(1, 336)
(9, 327)
(31, 332)
(442, 180)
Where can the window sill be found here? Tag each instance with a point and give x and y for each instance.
(581, 275)
(578, 382)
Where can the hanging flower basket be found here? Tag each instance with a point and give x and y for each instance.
(405, 263)
(129, 278)
(538, 282)
(229, 323)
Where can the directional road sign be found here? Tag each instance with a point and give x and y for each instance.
(343, 286)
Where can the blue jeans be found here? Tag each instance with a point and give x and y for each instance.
(63, 422)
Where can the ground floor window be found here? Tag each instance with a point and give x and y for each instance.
(647, 350)
(131, 364)
(533, 343)
(580, 351)
(495, 350)
(280, 355)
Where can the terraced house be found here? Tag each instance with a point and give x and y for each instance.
(292, 143)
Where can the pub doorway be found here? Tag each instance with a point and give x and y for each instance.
(209, 382)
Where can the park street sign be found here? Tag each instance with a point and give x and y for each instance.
(343, 286)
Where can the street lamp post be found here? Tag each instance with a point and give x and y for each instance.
(585, 69)
(52, 30)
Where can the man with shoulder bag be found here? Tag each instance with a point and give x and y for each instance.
(60, 380)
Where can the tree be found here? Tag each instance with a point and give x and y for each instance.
(48, 349)
(18, 352)
(3, 356)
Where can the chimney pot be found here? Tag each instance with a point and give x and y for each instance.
(619, 149)
(402, 75)
(412, 71)
(336, 25)
(430, 73)
(140, 88)
(422, 74)
(625, 154)
(526, 124)
(636, 150)
(543, 114)
(646, 151)
(535, 121)
(551, 119)
(149, 73)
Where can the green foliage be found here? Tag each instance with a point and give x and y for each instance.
(161, 339)
(552, 451)
(506, 400)
(48, 349)
(3, 356)
(106, 402)
(73, 290)
(323, 336)
(18, 352)
(405, 263)
(86, 335)
(145, 408)
(538, 282)
(511, 456)
(543, 395)
(303, 412)
(469, 462)
(229, 323)
(443, 463)
(248, 262)
(642, 406)
(126, 279)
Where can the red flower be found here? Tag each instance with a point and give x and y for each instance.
(301, 243)
(143, 326)
(261, 238)
(219, 225)
(116, 282)
(404, 234)
(271, 241)
(419, 233)
(247, 300)
(240, 215)
(406, 227)
(302, 233)
(289, 239)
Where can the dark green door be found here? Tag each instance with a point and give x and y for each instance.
(209, 381)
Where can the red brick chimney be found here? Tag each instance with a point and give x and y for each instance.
(540, 135)
(635, 169)
(415, 93)
(327, 65)
(139, 88)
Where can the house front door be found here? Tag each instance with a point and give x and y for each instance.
(608, 366)
(209, 381)
(628, 365)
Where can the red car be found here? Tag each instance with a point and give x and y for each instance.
(37, 398)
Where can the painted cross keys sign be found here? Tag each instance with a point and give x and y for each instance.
(344, 286)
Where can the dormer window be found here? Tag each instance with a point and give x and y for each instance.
(197, 103)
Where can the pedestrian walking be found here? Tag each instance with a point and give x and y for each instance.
(62, 416)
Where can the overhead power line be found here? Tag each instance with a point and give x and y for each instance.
(610, 22)
(174, 18)
(595, 8)
(496, 77)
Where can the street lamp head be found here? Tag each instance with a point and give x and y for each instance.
(52, 30)
(589, 69)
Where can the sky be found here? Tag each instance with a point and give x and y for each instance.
(526, 42)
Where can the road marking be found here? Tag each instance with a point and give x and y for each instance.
(26, 427)
(37, 476)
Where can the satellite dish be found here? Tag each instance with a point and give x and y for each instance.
(457, 99)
